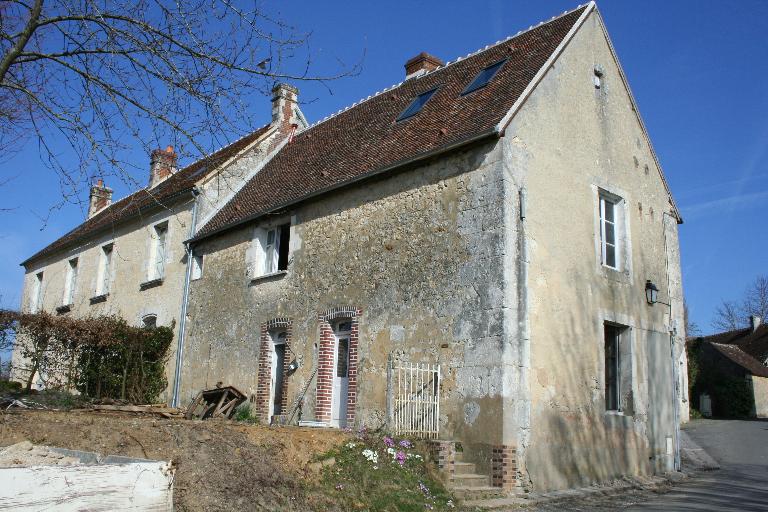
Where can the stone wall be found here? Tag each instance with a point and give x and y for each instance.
(130, 262)
(568, 142)
(419, 254)
(760, 388)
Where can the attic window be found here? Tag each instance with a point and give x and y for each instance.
(483, 77)
(416, 105)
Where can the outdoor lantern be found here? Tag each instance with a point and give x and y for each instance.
(293, 366)
(651, 292)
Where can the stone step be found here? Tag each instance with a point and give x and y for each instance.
(480, 492)
(464, 468)
(470, 480)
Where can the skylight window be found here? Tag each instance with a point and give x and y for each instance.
(416, 105)
(483, 77)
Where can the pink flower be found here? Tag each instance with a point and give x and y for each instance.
(389, 441)
(400, 457)
(406, 443)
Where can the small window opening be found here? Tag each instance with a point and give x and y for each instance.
(37, 296)
(608, 232)
(149, 321)
(342, 361)
(161, 234)
(416, 105)
(69, 288)
(483, 77)
(612, 334)
(197, 266)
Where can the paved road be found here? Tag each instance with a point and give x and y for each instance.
(741, 448)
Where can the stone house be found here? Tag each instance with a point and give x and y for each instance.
(740, 354)
(128, 257)
(469, 254)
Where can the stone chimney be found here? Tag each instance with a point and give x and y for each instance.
(754, 322)
(100, 198)
(421, 64)
(285, 109)
(162, 165)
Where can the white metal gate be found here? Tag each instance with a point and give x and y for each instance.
(415, 399)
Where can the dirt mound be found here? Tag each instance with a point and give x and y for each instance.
(220, 465)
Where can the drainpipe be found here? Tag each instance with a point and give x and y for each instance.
(184, 301)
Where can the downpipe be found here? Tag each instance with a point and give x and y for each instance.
(184, 300)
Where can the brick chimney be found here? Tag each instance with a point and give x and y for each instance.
(100, 198)
(421, 64)
(285, 109)
(754, 322)
(162, 165)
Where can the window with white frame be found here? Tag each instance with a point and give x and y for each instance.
(69, 284)
(37, 293)
(160, 236)
(104, 276)
(271, 246)
(610, 248)
(197, 266)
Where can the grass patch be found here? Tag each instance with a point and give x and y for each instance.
(244, 413)
(380, 473)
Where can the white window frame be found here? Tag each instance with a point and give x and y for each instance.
(71, 282)
(37, 292)
(623, 270)
(159, 251)
(104, 276)
(265, 258)
(197, 266)
(615, 205)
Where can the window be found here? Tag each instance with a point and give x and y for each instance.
(69, 285)
(483, 77)
(197, 266)
(609, 227)
(611, 368)
(416, 105)
(37, 293)
(618, 368)
(149, 321)
(105, 271)
(272, 246)
(161, 234)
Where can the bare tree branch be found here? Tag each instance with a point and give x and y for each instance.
(106, 76)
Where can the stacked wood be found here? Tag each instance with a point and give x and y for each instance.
(158, 409)
(219, 402)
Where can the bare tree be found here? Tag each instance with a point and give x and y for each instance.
(103, 75)
(691, 327)
(734, 314)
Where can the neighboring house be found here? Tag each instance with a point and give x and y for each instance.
(740, 354)
(128, 258)
(465, 255)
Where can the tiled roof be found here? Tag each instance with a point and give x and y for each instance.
(365, 139)
(163, 195)
(741, 358)
(754, 343)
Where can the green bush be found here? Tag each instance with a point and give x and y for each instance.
(132, 367)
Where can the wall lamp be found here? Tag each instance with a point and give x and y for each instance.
(651, 292)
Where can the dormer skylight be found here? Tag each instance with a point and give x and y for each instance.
(483, 77)
(416, 105)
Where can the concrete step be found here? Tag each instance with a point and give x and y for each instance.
(464, 468)
(470, 480)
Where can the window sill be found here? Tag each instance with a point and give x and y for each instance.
(64, 308)
(99, 298)
(273, 275)
(146, 285)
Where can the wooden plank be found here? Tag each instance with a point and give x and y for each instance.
(144, 486)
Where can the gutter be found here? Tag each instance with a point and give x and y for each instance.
(184, 302)
(381, 170)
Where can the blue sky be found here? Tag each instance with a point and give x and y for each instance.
(697, 70)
